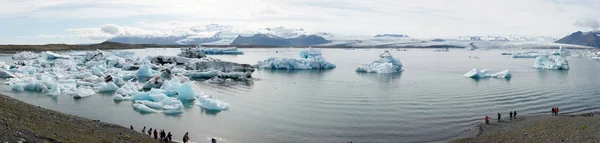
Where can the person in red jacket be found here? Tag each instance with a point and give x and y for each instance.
(155, 135)
(487, 120)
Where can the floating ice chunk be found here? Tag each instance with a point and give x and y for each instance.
(26, 55)
(529, 55)
(54, 91)
(385, 63)
(562, 51)
(6, 74)
(157, 97)
(141, 96)
(215, 80)
(108, 87)
(151, 104)
(222, 51)
(128, 88)
(97, 71)
(202, 74)
(441, 50)
(145, 71)
(4, 66)
(185, 92)
(206, 102)
(35, 86)
(544, 62)
(161, 60)
(83, 91)
(170, 87)
(143, 108)
(119, 97)
(17, 87)
(310, 52)
(192, 53)
(596, 58)
(502, 74)
(171, 104)
(51, 55)
(476, 73)
(118, 80)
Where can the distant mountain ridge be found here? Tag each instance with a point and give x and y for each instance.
(591, 39)
(390, 36)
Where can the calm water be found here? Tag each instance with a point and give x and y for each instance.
(429, 102)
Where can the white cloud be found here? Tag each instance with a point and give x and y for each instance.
(419, 18)
(588, 23)
(110, 29)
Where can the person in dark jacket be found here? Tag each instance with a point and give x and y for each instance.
(163, 135)
(499, 115)
(213, 140)
(511, 115)
(186, 138)
(515, 116)
(131, 127)
(169, 137)
(150, 132)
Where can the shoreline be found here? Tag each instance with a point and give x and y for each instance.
(539, 128)
(23, 122)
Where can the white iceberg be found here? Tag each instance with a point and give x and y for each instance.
(185, 92)
(119, 97)
(562, 51)
(476, 73)
(502, 74)
(385, 63)
(310, 59)
(206, 102)
(108, 87)
(191, 53)
(145, 71)
(143, 108)
(558, 63)
(83, 91)
(529, 55)
(222, 51)
(51, 55)
(26, 55)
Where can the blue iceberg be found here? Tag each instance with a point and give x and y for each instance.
(309, 59)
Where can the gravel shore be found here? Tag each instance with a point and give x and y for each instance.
(540, 128)
(22, 122)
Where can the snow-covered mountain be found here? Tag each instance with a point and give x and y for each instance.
(591, 39)
(390, 36)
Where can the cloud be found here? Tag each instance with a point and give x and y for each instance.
(588, 23)
(110, 29)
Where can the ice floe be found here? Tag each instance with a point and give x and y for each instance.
(385, 63)
(309, 59)
(476, 73)
(545, 62)
(530, 54)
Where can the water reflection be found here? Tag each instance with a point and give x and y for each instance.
(210, 112)
(384, 78)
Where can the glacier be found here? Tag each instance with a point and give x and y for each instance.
(545, 62)
(309, 59)
(385, 63)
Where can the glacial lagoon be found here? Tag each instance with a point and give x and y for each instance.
(430, 101)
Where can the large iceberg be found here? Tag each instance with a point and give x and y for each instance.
(309, 59)
(26, 55)
(385, 63)
(476, 73)
(51, 55)
(206, 102)
(191, 53)
(222, 51)
(562, 51)
(558, 63)
(529, 55)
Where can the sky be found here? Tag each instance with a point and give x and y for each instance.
(86, 21)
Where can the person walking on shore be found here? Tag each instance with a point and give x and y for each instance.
(553, 110)
(169, 137)
(131, 127)
(186, 138)
(511, 115)
(155, 134)
(487, 120)
(144, 130)
(162, 135)
(499, 115)
(150, 132)
(515, 116)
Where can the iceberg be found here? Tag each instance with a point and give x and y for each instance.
(309, 59)
(502, 74)
(122, 97)
(83, 91)
(54, 91)
(529, 55)
(6, 74)
(222, 51)
(151, 104)
(476, 73)
(544, 62)
(206, 102)
(108, 87)
(161, 60)
(185, 92)
(562, 51)
(26, 55)
(145, 71)
(191, 53)
(441, 50)
(51, 55)
(385, 63)
(143, 108)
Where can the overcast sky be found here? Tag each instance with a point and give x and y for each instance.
(78, 21)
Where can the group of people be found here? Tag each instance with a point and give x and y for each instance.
(513, 114)
(555, 111)
(164, 137)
